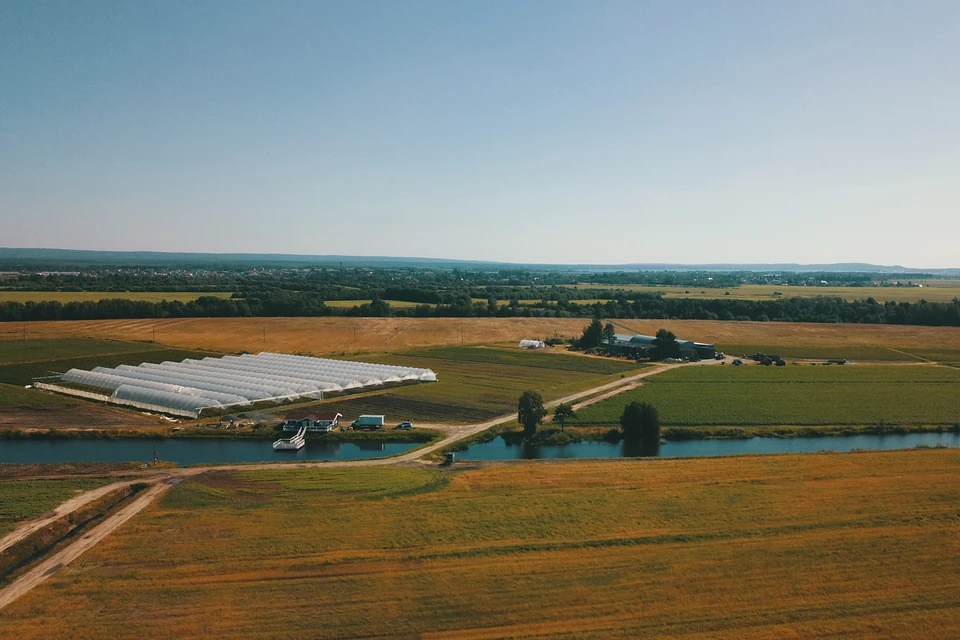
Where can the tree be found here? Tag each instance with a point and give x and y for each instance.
(640, 421)
(530, 411)
(665, 345)
(562, 413)
(592, 335)
(608, 334)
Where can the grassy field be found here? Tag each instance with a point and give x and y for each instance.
(20, 351)
(24, 499)
(347, 336)
(826, 545)
(24, 360)
(479, 383)
(794, 395)
(16, 397)
(934, 291)
(93, 296)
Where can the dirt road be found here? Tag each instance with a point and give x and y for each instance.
(62, 510)
(60, 559)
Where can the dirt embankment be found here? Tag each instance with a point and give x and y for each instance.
(83, 415)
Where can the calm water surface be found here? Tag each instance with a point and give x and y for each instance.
(500, 450)
(213, 451)
(188, 451)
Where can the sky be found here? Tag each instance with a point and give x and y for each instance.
(520, 131)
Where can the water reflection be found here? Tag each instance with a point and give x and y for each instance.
(500, 450)
(639, 448)
(188, 451)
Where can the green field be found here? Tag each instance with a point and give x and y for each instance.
(755, 547)
(25, 360)
(23, 499)
(44, 350)
(93, 296)
(479, 383)
(794, 395)
(16, 397)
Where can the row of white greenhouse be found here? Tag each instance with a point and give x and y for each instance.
(186, 388)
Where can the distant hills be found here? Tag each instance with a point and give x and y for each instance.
(64, 258)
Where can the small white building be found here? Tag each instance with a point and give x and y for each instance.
(532, 344)
(312, 420)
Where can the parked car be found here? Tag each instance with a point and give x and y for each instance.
(737, 362)
(405, 425)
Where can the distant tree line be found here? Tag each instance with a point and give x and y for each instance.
(461, 304)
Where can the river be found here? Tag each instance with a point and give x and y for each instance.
(187, 451)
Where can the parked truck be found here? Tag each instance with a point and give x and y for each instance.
(368, 423)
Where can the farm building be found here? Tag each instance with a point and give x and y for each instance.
(321, 421)
(532, 344)
(186, 388)
(642, 346)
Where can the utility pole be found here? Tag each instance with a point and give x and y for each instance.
(354, 334)
(154, 333)
(264, 333)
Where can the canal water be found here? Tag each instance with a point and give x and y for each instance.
(188, 451)
(500, 450)
(217, 451)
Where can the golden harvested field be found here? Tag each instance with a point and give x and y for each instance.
(825, 545)
(935, 291)
(378, 335)
(309, 335)
(93, 296)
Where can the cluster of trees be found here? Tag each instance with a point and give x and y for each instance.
(639, 421)
(461, 303)
(531, 412)
(821, 309)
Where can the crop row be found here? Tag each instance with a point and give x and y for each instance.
(829, 402)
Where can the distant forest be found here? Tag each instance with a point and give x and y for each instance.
(462, 304)
(439, 292)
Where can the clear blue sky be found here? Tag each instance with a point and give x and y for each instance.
(557, 131)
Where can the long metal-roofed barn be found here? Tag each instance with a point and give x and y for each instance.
(186, 388)
(641, 345)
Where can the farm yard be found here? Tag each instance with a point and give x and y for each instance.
(750, 547)
(479, 382)
(794, 395)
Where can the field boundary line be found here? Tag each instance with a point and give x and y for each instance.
(57, 561)
(64, 509)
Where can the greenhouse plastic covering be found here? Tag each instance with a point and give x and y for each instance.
(193, 385)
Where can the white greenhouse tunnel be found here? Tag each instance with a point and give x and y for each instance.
(188, 387)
